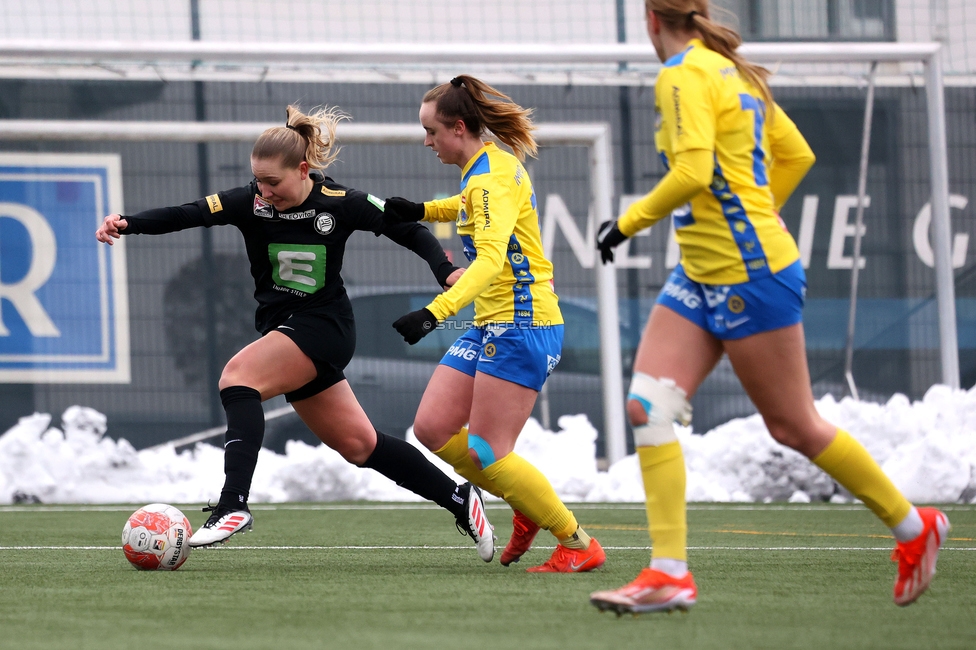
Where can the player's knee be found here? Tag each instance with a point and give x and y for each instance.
(785, 431)
(355, 449)
(425, 437)
(433, 429)
(806, 439)
(653, 406)
(232, 375)
(636, 413)
(428, 433)
(786, 437)
(226, 380)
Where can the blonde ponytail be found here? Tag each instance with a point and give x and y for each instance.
(309, 138)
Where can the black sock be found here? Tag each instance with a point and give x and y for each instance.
(242, 442)
(406, 466)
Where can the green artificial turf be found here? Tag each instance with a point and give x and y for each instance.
(359, 576)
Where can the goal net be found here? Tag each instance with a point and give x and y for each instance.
(181, 115)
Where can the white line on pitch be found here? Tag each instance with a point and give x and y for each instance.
(490, 505)
(296, 507)
(444, 548)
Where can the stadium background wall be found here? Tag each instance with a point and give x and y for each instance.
(176, 354)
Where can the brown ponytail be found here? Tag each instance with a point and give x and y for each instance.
(303, 137)
(685, 15)
(483, 108)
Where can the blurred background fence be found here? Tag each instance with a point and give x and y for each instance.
(189, 294)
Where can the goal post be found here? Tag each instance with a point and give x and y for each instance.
(594, 136)
(607, 64)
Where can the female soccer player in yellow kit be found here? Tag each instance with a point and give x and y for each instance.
(490, 378)
(733, 158)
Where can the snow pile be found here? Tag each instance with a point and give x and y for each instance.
(39, 463)
(928, 448)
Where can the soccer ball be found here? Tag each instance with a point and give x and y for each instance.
(156, 538)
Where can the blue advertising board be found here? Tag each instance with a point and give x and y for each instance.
(63, 295)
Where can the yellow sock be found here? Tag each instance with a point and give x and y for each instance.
(663, 471)
(578, 540)
(850, 464)
(527, 489)
(455, 453)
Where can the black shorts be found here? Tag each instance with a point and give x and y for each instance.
(328, 339)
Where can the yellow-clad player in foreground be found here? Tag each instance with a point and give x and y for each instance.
(490, 378)
(733, 158)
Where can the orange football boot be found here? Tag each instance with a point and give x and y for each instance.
(524, 531)
(571, 560)
(651, 591)
(916, 559)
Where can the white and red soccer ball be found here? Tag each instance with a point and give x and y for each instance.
(156, 538)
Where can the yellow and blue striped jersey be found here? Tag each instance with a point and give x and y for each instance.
(731, 232)
(509, 279)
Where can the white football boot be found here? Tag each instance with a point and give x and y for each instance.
(222, 524)
(476, 524)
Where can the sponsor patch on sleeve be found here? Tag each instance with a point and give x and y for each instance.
(213, 202)
(379, 203)
(329, 192)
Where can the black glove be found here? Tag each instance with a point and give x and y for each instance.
(415, 325)
(607, 238)
(398, 210)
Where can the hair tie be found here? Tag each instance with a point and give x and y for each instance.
(289, 126)
(456, 82)
(691, 16)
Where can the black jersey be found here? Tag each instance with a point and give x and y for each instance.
(295, 256)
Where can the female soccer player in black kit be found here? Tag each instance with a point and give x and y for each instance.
(295, 222)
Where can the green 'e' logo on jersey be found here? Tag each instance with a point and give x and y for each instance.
(298, 266)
